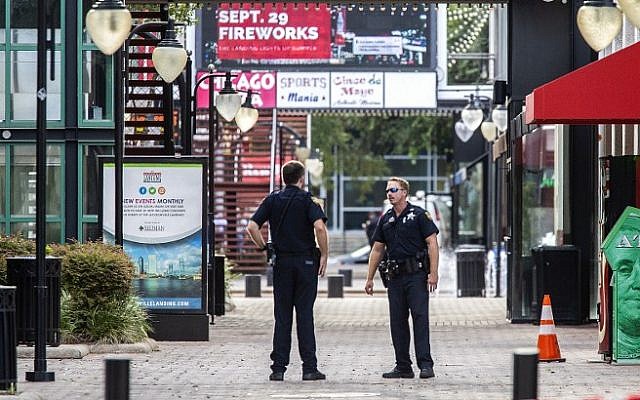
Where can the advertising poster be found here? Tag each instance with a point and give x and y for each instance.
(357, 90)
(263, 84)
(162, 230)
(303, 90)
(273, 31)
(622, 250)
(312, 35)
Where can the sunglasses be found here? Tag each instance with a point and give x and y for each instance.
(393, 190)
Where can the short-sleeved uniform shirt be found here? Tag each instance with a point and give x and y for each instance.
(404, 235)
(296, 234)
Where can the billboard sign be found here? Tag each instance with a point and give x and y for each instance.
(311, 35)
(377, 46)
(163, 230)
(303, 90)
(273, 31)
(357, 90)
(263, 83)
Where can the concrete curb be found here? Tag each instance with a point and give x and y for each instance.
(61, 352)
(146, 346)
(75, 351)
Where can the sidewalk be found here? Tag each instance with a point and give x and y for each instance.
(472, 345)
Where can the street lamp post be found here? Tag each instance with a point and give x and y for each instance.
(109, 25)
(229, 106)
(473, 116)
(40, 373)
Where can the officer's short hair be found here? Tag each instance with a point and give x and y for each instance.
(292, 171)
(404, 184)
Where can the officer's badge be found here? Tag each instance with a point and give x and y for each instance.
(392, 219)
(408, 217)
(427, 215)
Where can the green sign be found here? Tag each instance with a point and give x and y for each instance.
(622, 250)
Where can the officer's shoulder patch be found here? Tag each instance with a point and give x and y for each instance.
(317, 201)
(428, 216)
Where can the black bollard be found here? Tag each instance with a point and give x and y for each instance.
(335, 285)
(348, 275)
(117, 379)
(252, 285)
(525, 374)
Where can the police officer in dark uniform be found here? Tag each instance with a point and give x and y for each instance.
(294, 216)
(406, 250)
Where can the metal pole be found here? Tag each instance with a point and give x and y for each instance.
(525, 374)
(117, 379)
(40, 373)
(118, 111)
(213, 134)
(498, 199)
(188, 136)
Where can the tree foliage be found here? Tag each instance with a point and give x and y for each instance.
(356, 145)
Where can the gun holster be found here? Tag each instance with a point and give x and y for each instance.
(271, 254)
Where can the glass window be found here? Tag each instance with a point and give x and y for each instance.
(471, 207)
(94, 86)
(408, 167)
(23, 87)
(537, 188)
(28, 230)
(2, 86)
(3, 14)
(364, 194)
(24, 20)
(86, 6)
(23, 180)
(90, 170)
(3, 171)
(354, 220)
(91, 231)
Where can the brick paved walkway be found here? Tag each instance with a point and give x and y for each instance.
(472, 347)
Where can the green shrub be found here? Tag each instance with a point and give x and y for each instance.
(13, 246)
(115, 321)
(98, 304)
(95, 273)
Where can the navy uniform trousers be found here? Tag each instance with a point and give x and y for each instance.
(295, 285)
(409, 292)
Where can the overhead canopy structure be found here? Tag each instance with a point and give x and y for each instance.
(366, 3)
(602, 92)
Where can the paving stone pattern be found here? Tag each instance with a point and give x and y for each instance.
(471, 342)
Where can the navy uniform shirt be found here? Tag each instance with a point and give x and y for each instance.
(404, 236)
(296, 233)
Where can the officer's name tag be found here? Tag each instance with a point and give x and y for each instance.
(308, 262)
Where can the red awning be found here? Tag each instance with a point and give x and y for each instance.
(606, 91)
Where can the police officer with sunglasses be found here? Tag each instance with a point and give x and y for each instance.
(405, 250)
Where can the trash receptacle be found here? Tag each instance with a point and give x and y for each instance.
(558, 273)
(470, 265)
(21, 272)
(8, 359)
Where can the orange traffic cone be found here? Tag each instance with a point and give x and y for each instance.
(547, 339)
